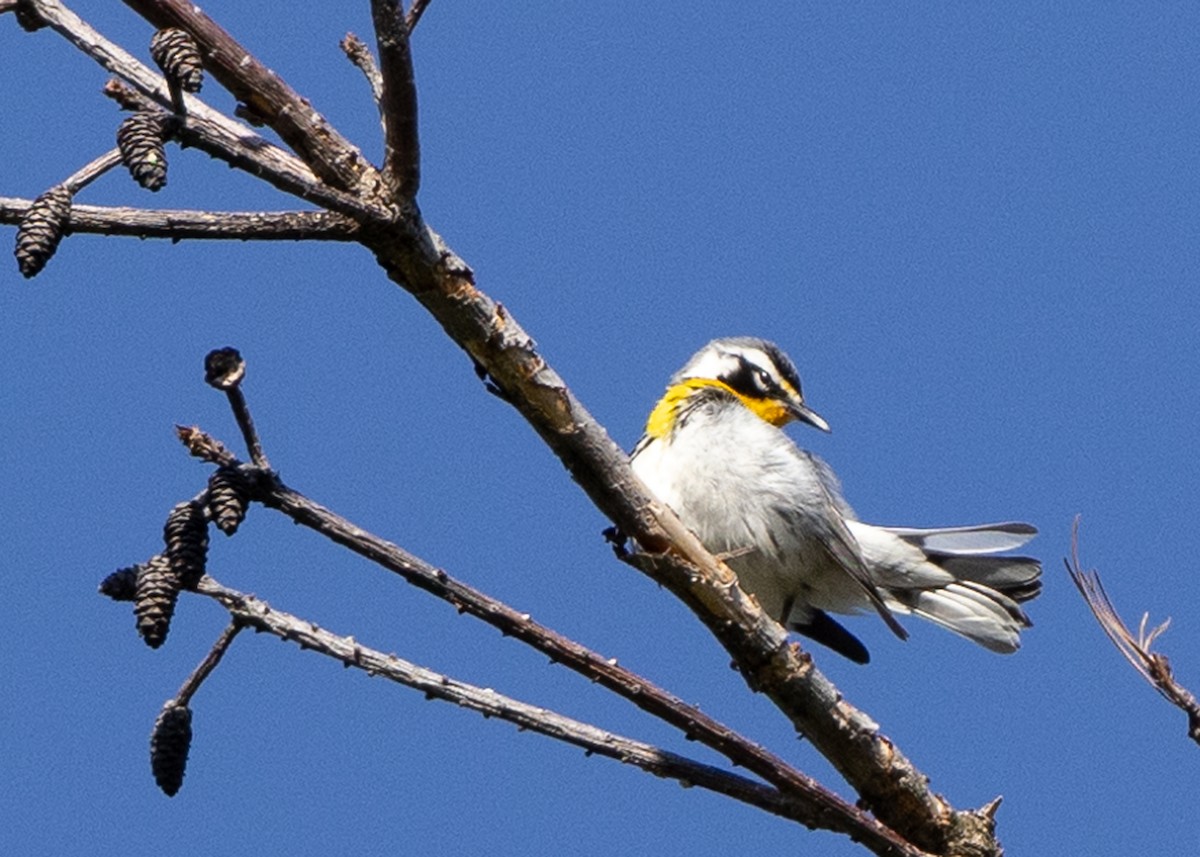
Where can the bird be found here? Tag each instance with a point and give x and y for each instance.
(714, 451)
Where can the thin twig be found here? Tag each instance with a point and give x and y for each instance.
(415, 257)
(245, 423)
(205, 128)
(1154, 667)
(398, 101)
(250, 611)
(698, 726)
(178, 225)
(205, 667)
(253, 154)
(357, 52)
(88, 173)
(414, 14)
(333, 158)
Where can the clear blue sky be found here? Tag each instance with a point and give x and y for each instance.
(975, 228)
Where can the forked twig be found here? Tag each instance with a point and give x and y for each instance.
(1152, 666)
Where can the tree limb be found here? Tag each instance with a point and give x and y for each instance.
(204, 127)
(254, 155)
(415, 11)
(178, 225)
(250, 611)
(357, 52)
(695, 724)
(414, 256)
(398, 101)
(333, 158)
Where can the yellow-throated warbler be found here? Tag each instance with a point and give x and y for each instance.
(715, 452)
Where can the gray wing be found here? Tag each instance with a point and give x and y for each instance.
(841, 545)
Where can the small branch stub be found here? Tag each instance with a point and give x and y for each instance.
(140, 139)
(169, 745)
(41, 229)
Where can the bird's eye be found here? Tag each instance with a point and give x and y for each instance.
(762, 379)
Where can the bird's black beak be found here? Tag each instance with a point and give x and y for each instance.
(805, 414)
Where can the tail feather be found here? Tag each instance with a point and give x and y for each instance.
(972, 611)
(1018, 577)
(977, 539)
(953, 578)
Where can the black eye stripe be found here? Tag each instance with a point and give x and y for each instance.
(751, 380)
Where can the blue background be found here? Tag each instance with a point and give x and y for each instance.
(975, 228)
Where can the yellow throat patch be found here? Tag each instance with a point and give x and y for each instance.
(663, 417)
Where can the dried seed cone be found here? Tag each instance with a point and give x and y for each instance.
(224, 368)
(121, 585)
(169, 745)
(41, 229)
(186, 537)
(178, 56)
(227, 499)
(157, 589)
(140, 139)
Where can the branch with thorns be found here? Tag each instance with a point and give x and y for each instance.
(1154, 667)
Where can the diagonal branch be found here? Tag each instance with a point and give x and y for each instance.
(357, 52)
(398, 101)
(205, 128)
(416, 258)
(1152, 666)
(890, 785)
(330, 155)
(250, 611)
(414, 14)
(252, 154)
(695, 724)
(181, 224)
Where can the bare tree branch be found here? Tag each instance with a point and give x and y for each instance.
(398, 101)
(331, 156)
(414, 14)
(1152, 666)
(178, 225)
(357, 52)
(205, 667)
(252, 612)
(698, 726)
(91, 171)
(414, 256)
(205, 128)
(253, 154)
(889, 784)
